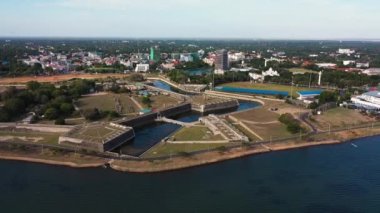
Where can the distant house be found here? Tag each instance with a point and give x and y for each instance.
(271, 73)
(348, 62)
(326, 65)
(308, 96)
(372, 71)
(346, 51)
(362, 65)
(142, 68)
(256, 77)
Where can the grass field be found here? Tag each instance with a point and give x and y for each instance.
(196, 134)
(258, 115)
(160, 101)
(260, 86)
(107, 103)
(173, 149)
(270, 131)
(302, 70)
(36, 137)
(340, 117)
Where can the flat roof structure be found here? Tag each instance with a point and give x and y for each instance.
(98, 136)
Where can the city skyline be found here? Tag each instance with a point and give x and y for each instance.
(240, 19)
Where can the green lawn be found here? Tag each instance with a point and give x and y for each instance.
(270, 131)
(196, 134)
(260, 86)
(173, 149)
(107, 103)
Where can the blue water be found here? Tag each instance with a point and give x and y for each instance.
(198, 72)
(162, 85)
(251, 91)
(150, 135)
(147, 137)
(336, 178)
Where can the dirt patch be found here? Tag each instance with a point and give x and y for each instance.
(58, 78)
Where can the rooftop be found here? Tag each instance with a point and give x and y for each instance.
(97, 132)
(375, 94)
(306, 93)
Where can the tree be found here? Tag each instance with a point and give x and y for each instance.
(15, 106)
(4, 116)
(327, 97)
(51, 114)
(66, 108)
(146, 100)
(60, 121)
(91, 114)
(33, 85)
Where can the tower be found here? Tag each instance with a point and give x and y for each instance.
(152, 54)
(221, 60)
(320, 78)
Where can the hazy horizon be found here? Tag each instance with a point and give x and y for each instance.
(196, 19)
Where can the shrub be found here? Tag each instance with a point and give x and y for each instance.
(60, 121)
(292, 125)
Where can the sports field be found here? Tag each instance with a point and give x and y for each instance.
(274, 87)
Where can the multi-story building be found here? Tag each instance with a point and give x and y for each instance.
(221, 61)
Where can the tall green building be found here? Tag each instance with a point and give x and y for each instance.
(152, 54)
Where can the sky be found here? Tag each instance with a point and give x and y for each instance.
(244, 19)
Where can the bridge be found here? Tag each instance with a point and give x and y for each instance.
(182, 87)
(233, 96)
(168, 120)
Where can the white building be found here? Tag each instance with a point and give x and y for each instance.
(256, 77)
(346, 51)
(273, 59)
(186, 57)
(362, 65)
(209, 61)
(372, 71)
(271, 73)
(236, 56)
(326, 65)
(348, 62)
(219, 72)
(369, 100)
(142, 68)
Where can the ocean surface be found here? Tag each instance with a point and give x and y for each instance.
(335, 178)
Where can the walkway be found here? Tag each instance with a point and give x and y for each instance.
(167, 120)
(234, 96)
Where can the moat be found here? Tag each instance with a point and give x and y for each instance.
(149, 135)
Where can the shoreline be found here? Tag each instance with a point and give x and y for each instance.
(52, 162)
(147, 166)
(226, 157)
